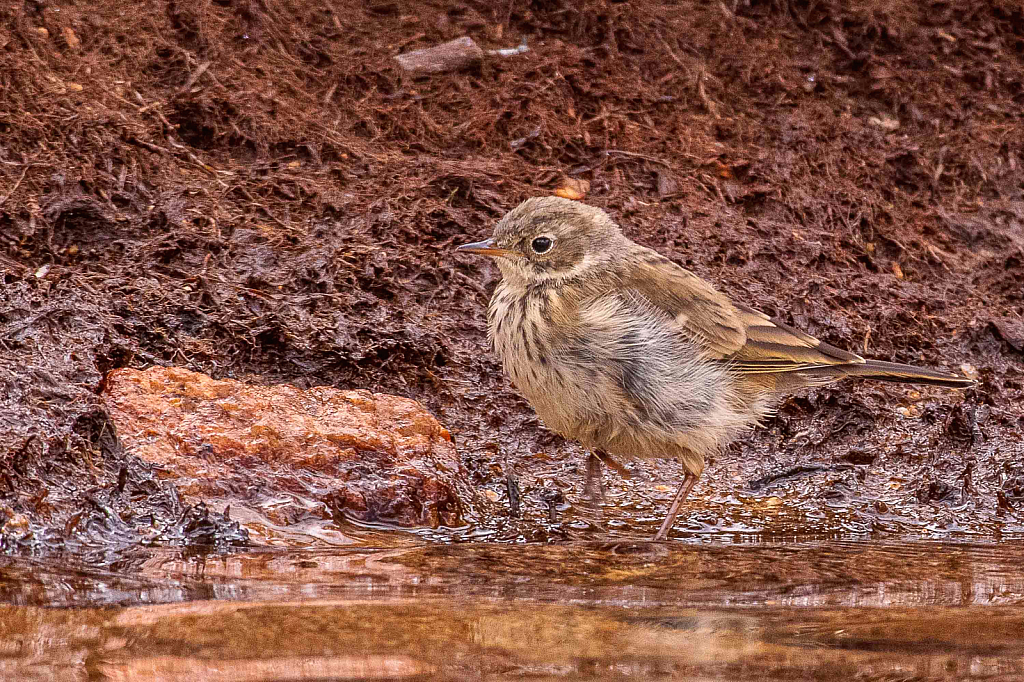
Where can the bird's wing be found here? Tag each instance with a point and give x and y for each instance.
(776, 347)
(706, 316)
(749, 340)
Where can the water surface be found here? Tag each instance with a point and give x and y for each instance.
(580, 611)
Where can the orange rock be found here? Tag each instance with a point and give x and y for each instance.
(371, 456)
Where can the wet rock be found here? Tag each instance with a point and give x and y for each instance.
(291, 454)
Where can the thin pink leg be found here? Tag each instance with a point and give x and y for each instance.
(673, 511)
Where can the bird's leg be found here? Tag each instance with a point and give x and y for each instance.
(673, 511)
(593, 486)
(613, 465)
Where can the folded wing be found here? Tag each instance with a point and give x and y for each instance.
(748, 340)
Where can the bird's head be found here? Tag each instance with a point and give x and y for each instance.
(550, 238)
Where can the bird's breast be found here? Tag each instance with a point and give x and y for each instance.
(527, 332)
(520, 332)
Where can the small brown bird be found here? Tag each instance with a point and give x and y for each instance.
(618, 347)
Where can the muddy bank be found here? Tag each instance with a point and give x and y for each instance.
(263, 194)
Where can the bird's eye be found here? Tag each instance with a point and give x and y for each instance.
(541, 244)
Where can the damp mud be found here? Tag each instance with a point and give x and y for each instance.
(580, 611)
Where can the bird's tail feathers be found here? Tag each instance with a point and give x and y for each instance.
(905, 374)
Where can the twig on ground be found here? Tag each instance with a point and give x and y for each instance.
(195, 76)
(16, 184)
(652, 159)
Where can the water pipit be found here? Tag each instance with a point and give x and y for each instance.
(616, 346)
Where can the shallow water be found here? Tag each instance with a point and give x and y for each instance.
(581, 611)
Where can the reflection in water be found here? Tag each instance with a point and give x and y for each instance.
(359, 667)
(583, 611)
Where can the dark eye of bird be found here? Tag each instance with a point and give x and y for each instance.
(541, 244)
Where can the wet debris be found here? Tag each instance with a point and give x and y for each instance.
(515, 496)
(862, 456)
(1010, 330)
(793, 473)
(199, 526)
(935, 491)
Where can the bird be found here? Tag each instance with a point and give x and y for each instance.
(616, 346)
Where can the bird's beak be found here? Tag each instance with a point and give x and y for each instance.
(485, 248)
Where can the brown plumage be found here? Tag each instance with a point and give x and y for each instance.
(620, 348)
